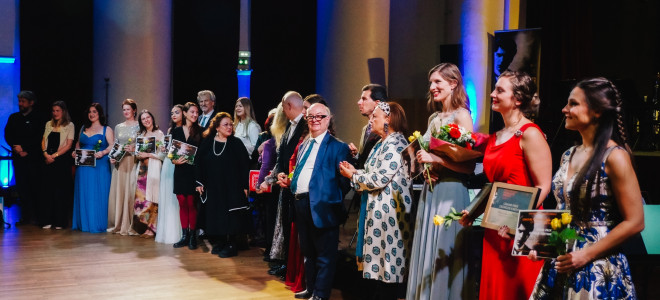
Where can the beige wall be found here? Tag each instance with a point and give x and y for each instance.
(132, 47)
(349, 33)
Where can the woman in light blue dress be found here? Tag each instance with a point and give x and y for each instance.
(169, 223)
(92, 184)
(438, 262)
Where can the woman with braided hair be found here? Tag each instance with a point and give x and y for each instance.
(597, 182)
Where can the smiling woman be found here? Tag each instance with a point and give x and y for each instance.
(92, 184)
(57, 141)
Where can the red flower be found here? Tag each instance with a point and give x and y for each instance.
(468, 146)
(455, 133)
(453, 126)
(473, 136)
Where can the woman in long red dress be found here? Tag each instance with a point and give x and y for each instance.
(516, 154)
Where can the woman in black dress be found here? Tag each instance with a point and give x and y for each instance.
(222, 171)
(184, 176)
(57, 140)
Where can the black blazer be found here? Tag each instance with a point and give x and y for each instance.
(288, 146)
(184, 175)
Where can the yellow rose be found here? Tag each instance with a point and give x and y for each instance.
(566, 218)
(100, 141)
(437, 220)
(556, 224)
(416, 134)
(170, 156)
(130, 140)
(411, 139)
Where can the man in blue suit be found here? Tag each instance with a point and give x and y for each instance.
(319, 190)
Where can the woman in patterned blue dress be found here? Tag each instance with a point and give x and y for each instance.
(596, 181)
(92, 185)
(386, 180)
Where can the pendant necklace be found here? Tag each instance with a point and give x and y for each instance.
(223, 148)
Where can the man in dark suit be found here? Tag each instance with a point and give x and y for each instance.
(23, 134)
(292, 106)
(206, 101)
(371, 95)
(319, 209)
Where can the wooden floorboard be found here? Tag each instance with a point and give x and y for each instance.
(38, 263)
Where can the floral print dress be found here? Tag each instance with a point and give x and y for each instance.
(387, 226)
(604, 278)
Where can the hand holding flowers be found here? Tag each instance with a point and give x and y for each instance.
(448, 219)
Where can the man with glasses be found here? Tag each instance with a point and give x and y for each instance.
(206, 101)
(319, 191)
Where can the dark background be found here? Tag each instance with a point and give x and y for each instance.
(57, 62)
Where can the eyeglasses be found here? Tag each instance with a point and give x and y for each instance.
(315, 118)
(227, 125)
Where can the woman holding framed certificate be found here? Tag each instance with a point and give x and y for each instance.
(122, 184)
(168, 230)
(184, 176)
(150, 160)
(517, 154)
(92, 184)
(597, 182)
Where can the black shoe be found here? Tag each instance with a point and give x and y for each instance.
(275, 269)
(228, 251)
(317, 298)
(306, 294)
(192, 242)
(281, 272)
(216, 249)
(283, 278)
(184, 239)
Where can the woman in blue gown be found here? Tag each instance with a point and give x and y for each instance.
(92, 184)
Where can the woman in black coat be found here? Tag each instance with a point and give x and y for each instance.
(222, 173)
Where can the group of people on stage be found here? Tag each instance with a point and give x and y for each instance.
(305, 173)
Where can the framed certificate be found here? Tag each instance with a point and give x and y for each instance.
(504, 203)
(533, 233)
(180, 149)
(117, 152)
(145, 144)
(85, 158)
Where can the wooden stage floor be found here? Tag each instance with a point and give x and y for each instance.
(40, 263)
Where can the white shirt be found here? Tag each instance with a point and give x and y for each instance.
(204, 119)
(248, 133)
(306, 172)
(294, 124)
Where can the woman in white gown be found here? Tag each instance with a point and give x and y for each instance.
(169, 224)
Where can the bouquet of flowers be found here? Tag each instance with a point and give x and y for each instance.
(456, 143)
(563, 236)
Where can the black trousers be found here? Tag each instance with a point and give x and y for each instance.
(56, 201)
(319, 246)
(26, 170)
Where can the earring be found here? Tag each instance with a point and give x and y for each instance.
(386, 126)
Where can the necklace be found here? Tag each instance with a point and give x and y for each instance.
(223, 148)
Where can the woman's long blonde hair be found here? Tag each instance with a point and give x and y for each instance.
(279, 124)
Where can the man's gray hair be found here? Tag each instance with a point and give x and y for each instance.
(207, 93)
